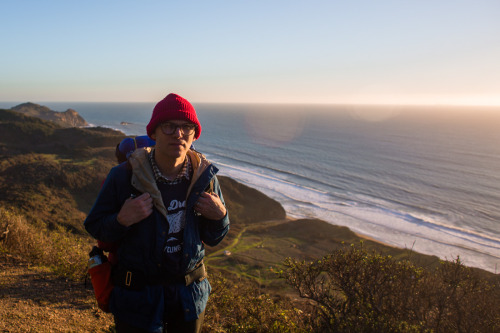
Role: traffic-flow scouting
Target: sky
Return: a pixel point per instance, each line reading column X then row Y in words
column 272, row 51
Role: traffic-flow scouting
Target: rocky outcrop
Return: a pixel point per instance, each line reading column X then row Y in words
column 68, row 118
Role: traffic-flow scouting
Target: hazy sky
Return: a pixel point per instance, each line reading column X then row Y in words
column 332, row 51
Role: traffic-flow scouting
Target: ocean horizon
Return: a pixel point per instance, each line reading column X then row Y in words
column 422, row 178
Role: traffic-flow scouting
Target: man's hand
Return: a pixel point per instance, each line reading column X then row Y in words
column 209, row 205
column 135, row 210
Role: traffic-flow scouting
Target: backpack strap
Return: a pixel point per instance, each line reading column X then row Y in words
column 210, row 187
column 134, row 192
column 135, row 144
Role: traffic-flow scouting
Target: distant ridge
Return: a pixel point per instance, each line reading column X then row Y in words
column 21, row 133
column 68, row 118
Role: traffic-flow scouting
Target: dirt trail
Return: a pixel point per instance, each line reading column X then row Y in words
column 34, row 300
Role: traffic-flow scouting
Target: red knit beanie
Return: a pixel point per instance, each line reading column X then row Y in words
column 173, row 107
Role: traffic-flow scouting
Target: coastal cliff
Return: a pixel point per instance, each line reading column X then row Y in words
column 68, row 118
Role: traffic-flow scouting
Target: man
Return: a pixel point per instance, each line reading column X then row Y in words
column 162, row 206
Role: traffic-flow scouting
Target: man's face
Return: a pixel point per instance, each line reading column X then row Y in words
column 174, row 138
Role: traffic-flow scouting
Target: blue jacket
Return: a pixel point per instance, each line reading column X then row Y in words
column 141, row 245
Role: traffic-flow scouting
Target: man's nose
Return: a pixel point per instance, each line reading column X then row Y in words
column 178, row 132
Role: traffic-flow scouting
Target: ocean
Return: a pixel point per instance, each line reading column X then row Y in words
column 422, row 178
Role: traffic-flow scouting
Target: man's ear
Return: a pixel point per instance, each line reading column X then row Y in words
column 153, row 136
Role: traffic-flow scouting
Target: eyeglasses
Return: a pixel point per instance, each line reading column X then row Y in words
column 170, row 128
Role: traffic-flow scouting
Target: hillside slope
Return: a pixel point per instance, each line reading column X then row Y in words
column 49, row 173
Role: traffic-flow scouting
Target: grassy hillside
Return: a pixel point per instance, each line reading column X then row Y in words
column 22, row 134
column 51, row 174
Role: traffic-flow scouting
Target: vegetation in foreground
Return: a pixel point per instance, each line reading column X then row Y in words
column 351, row 289
column 356, row 290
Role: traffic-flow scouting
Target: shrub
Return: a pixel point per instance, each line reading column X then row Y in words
column 241, row 307
column 354, row 290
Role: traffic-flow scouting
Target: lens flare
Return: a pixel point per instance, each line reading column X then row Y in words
column 274, row 128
